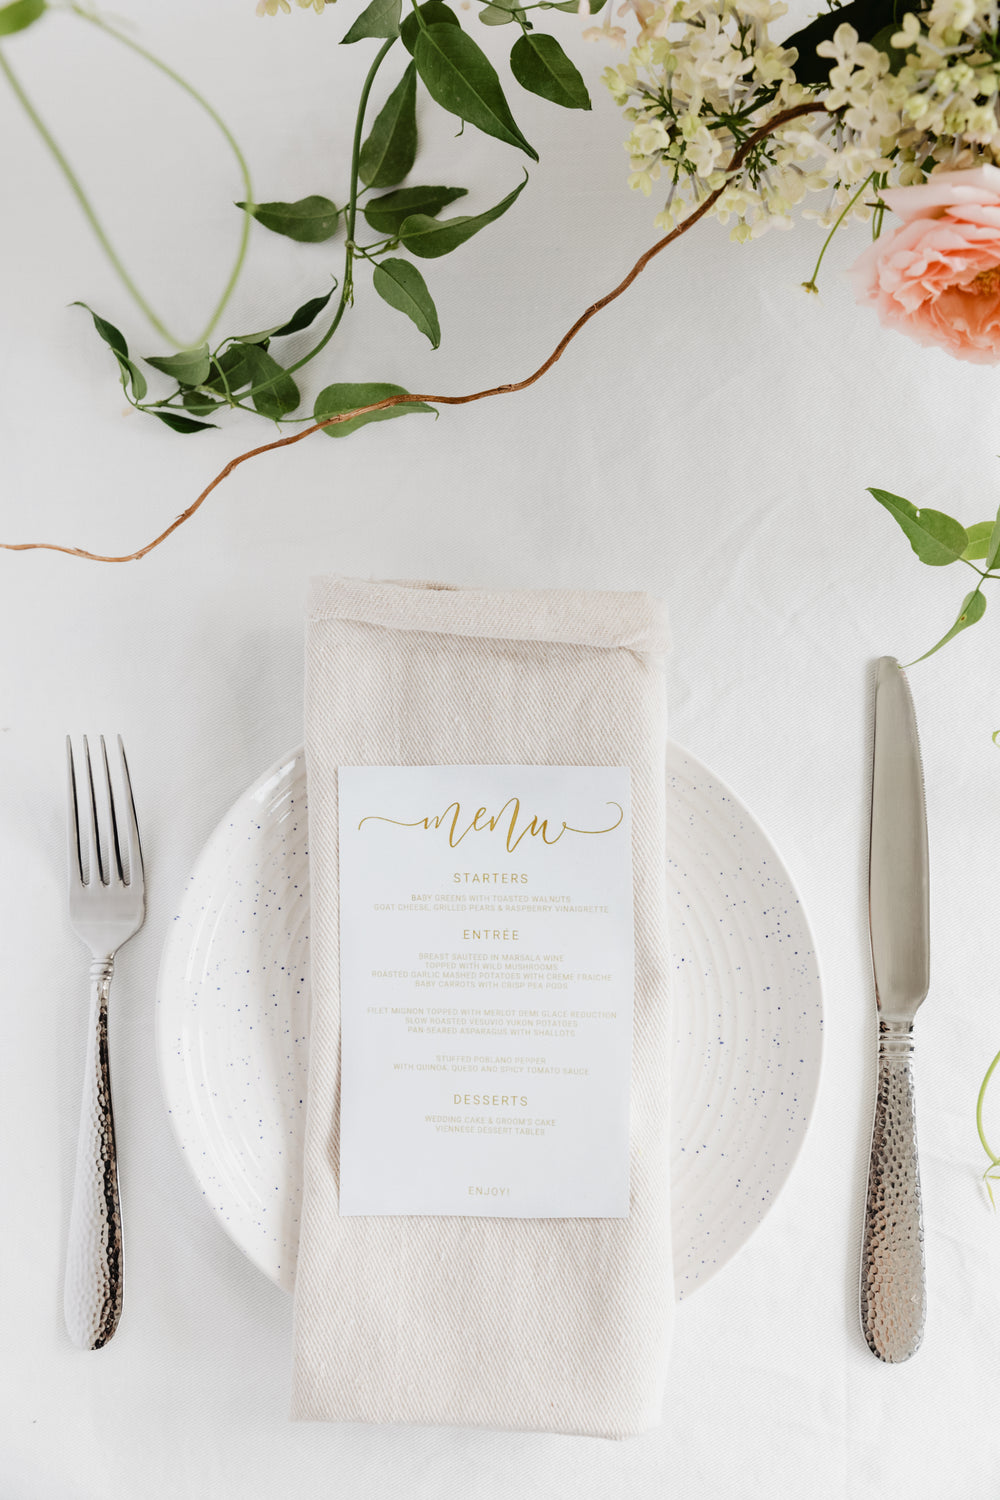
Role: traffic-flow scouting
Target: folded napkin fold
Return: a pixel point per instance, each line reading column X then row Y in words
column 558, row 1325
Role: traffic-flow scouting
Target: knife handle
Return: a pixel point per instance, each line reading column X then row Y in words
column 893, row 1296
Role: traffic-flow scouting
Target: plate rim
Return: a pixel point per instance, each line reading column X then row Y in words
column 809, row 1111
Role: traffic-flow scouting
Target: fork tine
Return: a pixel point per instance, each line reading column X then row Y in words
column 73, row 822
column 133, row 844
column 114, row 844
column 93, row 845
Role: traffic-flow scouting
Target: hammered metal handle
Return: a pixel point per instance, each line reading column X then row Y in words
column 92, row 1299
column 892, row 1259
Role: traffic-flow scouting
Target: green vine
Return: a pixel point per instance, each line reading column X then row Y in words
column 241, row 372
column 94, row 19
column 939, row 540
column 19, row 10
column 811, row 285
column 989, row 1176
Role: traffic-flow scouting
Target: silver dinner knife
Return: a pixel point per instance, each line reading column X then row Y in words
column 892, row 1259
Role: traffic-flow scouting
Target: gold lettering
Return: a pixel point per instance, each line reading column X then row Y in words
column 537, row 827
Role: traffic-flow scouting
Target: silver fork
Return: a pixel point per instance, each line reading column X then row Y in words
column 106, row 908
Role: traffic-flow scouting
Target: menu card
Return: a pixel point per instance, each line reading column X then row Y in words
column 487, row 959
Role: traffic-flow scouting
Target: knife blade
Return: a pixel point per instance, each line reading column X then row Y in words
column 893, row 1295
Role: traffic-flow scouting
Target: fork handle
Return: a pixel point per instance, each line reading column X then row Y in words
column 92, row 1299
column 892, row 1260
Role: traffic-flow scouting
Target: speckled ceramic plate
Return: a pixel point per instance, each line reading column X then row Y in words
column 233, row 1007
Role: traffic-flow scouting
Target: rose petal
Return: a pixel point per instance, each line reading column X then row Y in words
column 927, row 279
column 978, row 185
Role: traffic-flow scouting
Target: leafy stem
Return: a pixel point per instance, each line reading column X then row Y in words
column 352, row 202
column 350, row 249
column 810, row 285
column 939, row 540
column 880, row 180
column 460, row 78
column 783, row 118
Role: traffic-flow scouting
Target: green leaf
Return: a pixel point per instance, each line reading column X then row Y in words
column 541, row 66
column 272, row 391
column 391, row 148
column 199, row 404
column 993, row 550
column 299, row 320
column 264, row 337
column 305, row 315
column 979, row 540
column 434, row 13
column 401, row 285
column 429, row 238
column 868, row 17
column 937, row 539
column 191, row 367
column 573, row 7
column 339, row 398
column 973, row 609
column 130, row 373
column 386, row 215
column 501, row 13
column 249, row 364
column 234, row 366
column 178, row 423
column 381, row 18
column 460, row 77
column 309, row 220
column 114, row 339
column 20, row 14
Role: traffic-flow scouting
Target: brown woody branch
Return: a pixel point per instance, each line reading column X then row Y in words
column 736, row 161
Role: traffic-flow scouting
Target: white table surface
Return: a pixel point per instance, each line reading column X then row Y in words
column 709, row 438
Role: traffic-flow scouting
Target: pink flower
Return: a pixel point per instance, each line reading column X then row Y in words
column 937, row 278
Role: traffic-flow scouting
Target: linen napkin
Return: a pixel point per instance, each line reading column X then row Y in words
column 558, row 1325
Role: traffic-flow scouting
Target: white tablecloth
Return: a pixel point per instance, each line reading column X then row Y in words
column 709, row 438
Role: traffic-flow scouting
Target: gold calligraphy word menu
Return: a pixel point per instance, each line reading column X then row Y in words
column 486, row 990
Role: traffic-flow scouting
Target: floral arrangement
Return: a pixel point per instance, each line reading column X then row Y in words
column 861, row 114
column 869, row 115
column 851, row 117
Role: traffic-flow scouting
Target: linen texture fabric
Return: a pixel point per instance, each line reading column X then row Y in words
column 556, row 1325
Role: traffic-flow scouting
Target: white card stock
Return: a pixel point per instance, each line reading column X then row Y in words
column 487, row 960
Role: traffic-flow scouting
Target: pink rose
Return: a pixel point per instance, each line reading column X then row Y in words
column 937, row 278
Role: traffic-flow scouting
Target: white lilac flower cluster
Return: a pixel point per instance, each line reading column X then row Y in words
column 706, row 74
column 942, row 102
